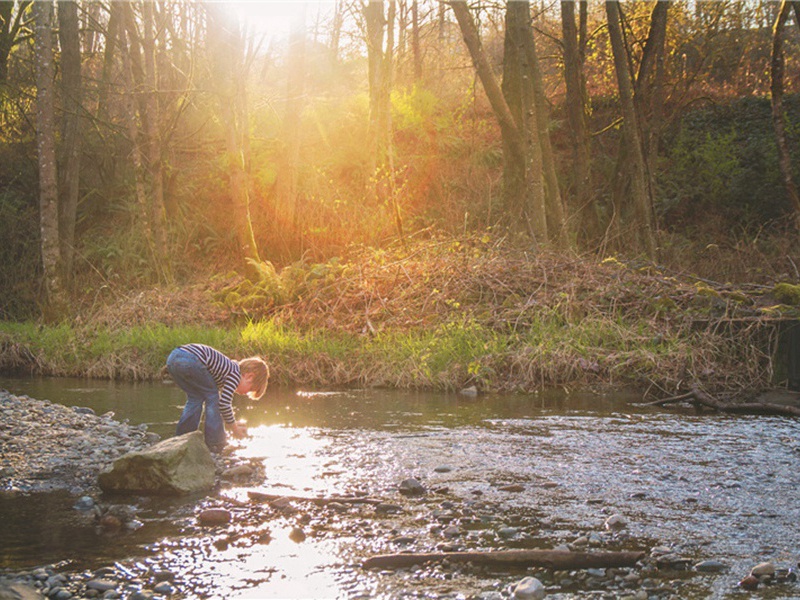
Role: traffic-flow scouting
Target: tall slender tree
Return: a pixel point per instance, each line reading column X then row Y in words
column 46, row 147
column 576, row 105
column 634, row 196
column 69, row 170
column 778, row 114
column 231, row 66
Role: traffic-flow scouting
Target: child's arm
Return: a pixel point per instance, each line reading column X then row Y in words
column 238, row 429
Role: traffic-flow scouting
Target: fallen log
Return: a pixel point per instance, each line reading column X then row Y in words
column 702, row 399
column 264, row 497
column 552, row 559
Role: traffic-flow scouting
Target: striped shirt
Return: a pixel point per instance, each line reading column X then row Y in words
column 225, row 372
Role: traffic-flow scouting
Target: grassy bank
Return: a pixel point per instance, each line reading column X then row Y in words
column 442, row 315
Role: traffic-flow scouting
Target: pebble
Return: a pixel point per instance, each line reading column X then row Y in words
column 214, row 516
column 411, row 487
column 710, row 566
column 765, row 569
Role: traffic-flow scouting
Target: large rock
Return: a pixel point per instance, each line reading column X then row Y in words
column 19, row 591
column 176, row 466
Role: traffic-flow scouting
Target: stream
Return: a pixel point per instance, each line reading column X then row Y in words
column 516, row 471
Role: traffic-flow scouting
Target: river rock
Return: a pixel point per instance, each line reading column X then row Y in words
column 765, row 569
column 529, row 588
column 710, row 566
column 19, row 591
column 176, row 466
column 411, row 487
column 616, row 522
column 214, row 516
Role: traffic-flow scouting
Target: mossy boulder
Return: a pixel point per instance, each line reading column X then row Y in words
column 786, row 293
column 177, row 466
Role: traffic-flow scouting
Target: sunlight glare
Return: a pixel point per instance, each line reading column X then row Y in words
column 272, row 19
column 294, row 458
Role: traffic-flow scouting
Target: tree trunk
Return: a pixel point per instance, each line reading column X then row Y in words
column 556, row 223
column 336, row 30
column 46, row 147
column 373, row 15
column 641, row 209
column 155, row 160
column 9, row 31
column 230, row 74
column 523, row 176
column 130, row 56
column 70, row 163
column 649, row 90
column 582, row 207
column 415, row 42
column 778, row 115
column 111, row 40
column 288, row 177
column 515, row 140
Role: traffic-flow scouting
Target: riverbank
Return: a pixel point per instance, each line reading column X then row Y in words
column 441, row 315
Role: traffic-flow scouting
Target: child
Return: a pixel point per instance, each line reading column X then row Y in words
column 210, row 378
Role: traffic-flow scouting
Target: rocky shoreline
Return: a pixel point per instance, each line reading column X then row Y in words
column 47, row 446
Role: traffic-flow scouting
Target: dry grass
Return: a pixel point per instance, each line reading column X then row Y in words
column 447, row 313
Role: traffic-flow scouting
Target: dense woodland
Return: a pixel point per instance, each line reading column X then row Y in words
column 154, row 143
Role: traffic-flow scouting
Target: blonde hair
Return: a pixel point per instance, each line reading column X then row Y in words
column 260, row 371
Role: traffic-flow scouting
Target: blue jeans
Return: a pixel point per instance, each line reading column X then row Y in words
column 201, row 390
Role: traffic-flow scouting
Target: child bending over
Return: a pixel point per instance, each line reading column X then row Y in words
column 210, row 379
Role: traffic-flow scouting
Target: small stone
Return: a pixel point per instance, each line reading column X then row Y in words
column 710, row 566
column 508, row 533
column 616, row 522
column 443, row 469
column 165, row 588
column 749, row 583
column 529, row 588
column 451, row 532
column 101, row 585
column 411, row 487
column 386, row 508
column 765, row 569
column 238, row 472
column 84, row 503
column 512, row 488
column 214, row 516
column 297, row 535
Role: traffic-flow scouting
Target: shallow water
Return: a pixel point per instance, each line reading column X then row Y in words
column 710, row 486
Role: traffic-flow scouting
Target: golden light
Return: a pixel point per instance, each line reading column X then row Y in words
column 273, row 19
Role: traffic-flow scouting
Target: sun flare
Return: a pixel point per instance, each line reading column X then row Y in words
column 272, row 19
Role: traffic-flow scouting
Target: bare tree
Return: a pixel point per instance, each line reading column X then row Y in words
column 69, row 170
column 46, row 146
column 13, row 24
column 636, row 196
column 573, row 39
column 231, row 66
column 778, row 114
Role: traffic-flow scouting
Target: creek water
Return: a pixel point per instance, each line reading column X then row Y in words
column 712, row 487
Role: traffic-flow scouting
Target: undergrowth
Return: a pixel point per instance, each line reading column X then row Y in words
column 442, row 314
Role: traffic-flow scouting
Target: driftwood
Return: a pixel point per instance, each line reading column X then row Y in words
column 700, row 398
column 552, row 559
column 264, row 497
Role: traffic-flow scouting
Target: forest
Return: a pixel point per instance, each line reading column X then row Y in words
column 155, row 152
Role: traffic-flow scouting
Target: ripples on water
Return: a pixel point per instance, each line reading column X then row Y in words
column 718, row 487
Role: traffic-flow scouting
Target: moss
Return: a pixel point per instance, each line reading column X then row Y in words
column 786, row 293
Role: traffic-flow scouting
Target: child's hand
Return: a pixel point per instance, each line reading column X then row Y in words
column 239, row 429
